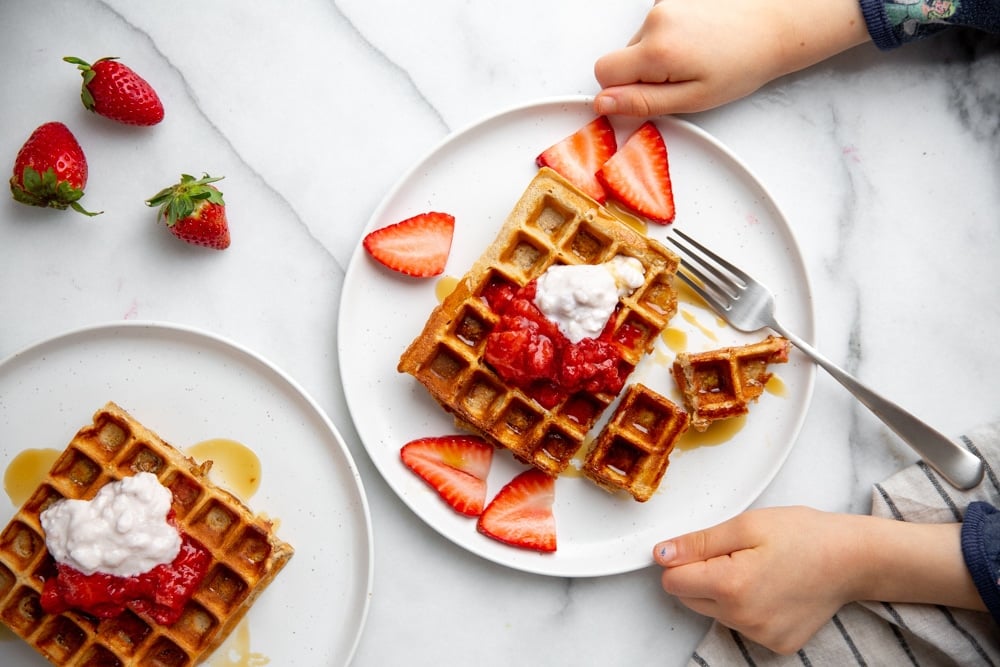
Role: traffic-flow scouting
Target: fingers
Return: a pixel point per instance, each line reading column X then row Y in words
column 625, row 66
column 647, row 99
column 726, row 538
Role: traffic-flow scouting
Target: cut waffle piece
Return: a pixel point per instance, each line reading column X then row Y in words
column 552, row 223
column 245, row 554
column 633, row 449
column 719, row 384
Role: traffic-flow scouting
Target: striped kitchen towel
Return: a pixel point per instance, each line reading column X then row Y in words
column 879, row 633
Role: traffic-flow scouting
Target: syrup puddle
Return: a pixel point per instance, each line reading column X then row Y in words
column 445, row 286
column 717, row 433
column 26, row 471
column 235, row 651
column 234, row 465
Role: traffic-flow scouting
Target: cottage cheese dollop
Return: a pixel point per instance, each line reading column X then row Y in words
column 122, row 531
column 580, row 298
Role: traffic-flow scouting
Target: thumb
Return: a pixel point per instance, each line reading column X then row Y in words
column 651, row 99
column 700, row 545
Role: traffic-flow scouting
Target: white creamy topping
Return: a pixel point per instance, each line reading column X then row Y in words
column 580, row 298
column 122, row 531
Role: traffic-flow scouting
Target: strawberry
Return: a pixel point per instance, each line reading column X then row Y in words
column 115, row 91
column 578, row 157
column 417, row 246
column 50, row 170
column 455, row 466
column 194, row 211
column 638, row 175
column 521, row 513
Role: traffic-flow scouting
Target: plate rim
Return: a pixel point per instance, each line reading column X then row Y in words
column 806, row 330
column 192, row 332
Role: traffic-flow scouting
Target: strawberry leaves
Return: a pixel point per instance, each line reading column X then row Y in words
column 183, row 199
column 50, row 170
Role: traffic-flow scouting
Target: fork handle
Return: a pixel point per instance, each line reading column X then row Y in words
column 956, row 464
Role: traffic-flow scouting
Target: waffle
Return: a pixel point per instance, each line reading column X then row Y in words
column 633, row 450
column 552, row 223
column 245, row 554
column 719, row 384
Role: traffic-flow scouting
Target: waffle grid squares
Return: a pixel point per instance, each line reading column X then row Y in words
column 552, row 223
column 719, row 384
column 245, row 555
column 632, row 451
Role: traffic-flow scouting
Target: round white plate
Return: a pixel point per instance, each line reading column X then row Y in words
column 477, row 175
column 189, row 386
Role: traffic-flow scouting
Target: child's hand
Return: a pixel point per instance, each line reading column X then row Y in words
column 777, row 575
column 690, row 56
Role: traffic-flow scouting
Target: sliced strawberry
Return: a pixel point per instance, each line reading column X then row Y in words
column 638, row 175
column 455, row 466
column 521, row 513
column 578, row 157
column 417, row 246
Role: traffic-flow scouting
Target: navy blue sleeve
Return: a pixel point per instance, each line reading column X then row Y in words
column 981, row 549
column 892, row 23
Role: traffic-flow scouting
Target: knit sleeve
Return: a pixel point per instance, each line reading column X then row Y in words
column 981, row 550
column 892, row 23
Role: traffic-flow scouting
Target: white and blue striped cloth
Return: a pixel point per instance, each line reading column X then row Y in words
column 879, row 633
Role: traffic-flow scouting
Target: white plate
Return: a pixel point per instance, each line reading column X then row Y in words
column 188, row 387
column 477, row 175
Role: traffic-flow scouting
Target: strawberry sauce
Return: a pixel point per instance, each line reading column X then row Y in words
column 528, row 351
column 160, row 593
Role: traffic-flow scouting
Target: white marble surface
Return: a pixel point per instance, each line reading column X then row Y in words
column 885, row 164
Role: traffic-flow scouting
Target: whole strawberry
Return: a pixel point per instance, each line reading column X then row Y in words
column 50, row 170
column 194, row 211
column 115, row 91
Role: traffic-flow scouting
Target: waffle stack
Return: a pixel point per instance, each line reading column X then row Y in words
column 719, row 384
column 552, row 223
column 245, row 554
column 632, row 452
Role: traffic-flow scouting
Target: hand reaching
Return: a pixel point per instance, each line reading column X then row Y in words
column 691, row 56
column 777, row 575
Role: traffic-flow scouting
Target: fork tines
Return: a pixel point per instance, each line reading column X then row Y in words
column 713, row 278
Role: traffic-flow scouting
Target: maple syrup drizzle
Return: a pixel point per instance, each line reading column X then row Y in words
column 776, row 386
column 675, row 339
column 235, row 651
column 26, row 471
column 445, row 286
column 633, row 221
column 717, row 433
column 235, row 467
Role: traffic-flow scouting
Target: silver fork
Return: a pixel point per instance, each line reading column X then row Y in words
column 749, row 306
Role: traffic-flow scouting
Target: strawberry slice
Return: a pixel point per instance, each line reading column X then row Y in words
column 521, row 513
column 578, row 157
column 455, row 466
column 417, row 246
column 638, row 175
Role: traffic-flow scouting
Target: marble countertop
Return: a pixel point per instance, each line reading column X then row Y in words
column 886, row 166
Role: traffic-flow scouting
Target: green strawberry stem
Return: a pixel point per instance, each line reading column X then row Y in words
column 47, row 190
column 88, row 75
column 181, row 200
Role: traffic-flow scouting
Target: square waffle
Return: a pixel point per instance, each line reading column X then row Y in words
column 719, row 384
column 552, row 223
column 245, row 554
column 633, row 450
